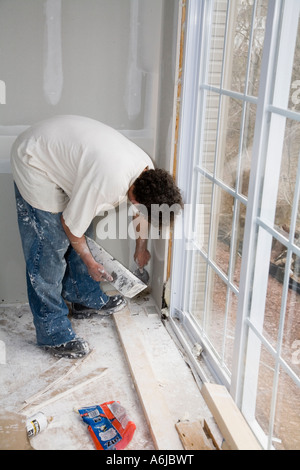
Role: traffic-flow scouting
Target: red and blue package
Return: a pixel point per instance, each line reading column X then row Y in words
column 108, row 425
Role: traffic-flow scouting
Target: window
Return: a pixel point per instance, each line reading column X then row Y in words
column 237, row 293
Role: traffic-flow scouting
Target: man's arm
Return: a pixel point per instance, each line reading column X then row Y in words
column 96, row 270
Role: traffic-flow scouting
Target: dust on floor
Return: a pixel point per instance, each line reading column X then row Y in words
column 27, row 370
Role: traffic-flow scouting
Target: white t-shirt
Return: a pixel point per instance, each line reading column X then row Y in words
column 77, row 166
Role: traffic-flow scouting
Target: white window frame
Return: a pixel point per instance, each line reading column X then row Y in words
column 272, row 112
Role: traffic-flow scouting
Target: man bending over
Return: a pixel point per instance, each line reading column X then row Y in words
column 67, row 170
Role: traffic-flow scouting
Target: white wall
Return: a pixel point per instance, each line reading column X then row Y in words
column 98, row 58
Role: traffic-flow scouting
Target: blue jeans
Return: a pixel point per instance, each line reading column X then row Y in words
column 55, row 274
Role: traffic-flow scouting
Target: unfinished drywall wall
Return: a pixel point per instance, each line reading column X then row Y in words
column 98, row 58
column 12, row 272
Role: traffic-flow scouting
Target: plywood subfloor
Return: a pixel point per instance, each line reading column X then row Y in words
column 28, row 370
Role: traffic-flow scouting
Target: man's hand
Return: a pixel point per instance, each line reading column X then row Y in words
column 142, row 257
column 98, row 273
column 95, row 270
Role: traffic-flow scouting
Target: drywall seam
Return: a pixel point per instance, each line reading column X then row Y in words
column 53, row 69
column 2, row 92
column 133, row 95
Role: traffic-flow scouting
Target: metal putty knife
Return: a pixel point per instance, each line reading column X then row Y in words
column 123, row 280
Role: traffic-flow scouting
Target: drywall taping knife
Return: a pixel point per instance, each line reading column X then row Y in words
column 123, row 280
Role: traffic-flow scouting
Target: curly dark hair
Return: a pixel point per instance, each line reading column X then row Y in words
column 158, row 196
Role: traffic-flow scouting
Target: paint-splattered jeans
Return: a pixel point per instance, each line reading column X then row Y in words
column 55, row 273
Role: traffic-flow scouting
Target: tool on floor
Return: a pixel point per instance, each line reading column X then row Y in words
column 124, row 281
column 108, row 425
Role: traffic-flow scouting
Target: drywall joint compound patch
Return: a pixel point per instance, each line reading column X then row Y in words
column 53, row 69
column 2, row 353
column 2, row 92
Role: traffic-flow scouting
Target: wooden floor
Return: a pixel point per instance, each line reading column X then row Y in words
column 133, row 361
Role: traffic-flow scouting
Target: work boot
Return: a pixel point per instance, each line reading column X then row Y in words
column 114, row 304
column 74, row 349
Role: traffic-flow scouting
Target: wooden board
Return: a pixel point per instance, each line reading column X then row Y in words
column 160, row 422
column 192, row 436
column 211, row 429
column 232, row 424
column 13, row 435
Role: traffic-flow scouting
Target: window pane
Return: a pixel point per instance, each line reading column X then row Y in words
column 198, row 287
column 264, row 390
column 230, row 330
column 215, row 311
column 259, row 28
column 221, row 232
column 288, row 176
column 274, row 293
column 239, row 239
column 286, row 432
column 217, row 43
column 247, row 146
column 229, row 140
column 227, row 234
column 274, row 299
column 244, row 45
column 235, row 143
column 204, row 201
column 238, row 42
column 291, row 334
column 287, row 417
column 297, row 232
column 294, row 103
column 210, row 132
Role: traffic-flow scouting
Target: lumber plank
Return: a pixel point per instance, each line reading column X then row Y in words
column 232, row 424
column 160, row 422
column 211, row 429
column 192, row 436
column 13, row 435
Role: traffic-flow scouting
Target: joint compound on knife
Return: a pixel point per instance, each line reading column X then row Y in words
column 122, row 279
